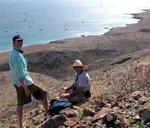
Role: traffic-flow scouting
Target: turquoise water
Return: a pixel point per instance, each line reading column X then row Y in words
column 43, row 21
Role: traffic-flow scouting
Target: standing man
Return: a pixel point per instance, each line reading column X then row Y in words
column 23, row 83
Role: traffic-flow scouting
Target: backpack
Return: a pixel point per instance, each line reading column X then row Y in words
column 57, row 105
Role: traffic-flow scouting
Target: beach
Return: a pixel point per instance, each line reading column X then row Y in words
column 49, row 63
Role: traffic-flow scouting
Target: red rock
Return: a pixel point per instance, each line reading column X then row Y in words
column 70, row 122
column 103, row 112
column 68, row 112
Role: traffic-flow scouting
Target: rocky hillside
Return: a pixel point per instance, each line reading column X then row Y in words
column 118, row 103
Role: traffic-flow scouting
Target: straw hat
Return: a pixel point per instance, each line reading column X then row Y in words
column 78, row 63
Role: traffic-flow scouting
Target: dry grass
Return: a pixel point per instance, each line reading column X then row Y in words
column 123, row 80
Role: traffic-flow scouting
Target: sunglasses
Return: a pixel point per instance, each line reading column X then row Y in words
column 76, row 67
column 20, row 40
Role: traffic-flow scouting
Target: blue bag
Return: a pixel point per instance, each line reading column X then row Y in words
column 57, row 105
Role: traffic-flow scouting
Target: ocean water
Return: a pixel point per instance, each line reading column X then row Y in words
column 41, row 21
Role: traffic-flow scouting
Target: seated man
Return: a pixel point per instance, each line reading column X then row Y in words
column 80, row 90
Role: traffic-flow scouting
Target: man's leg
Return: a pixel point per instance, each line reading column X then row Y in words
column 21, row 100
column 19, row 114
column 39, row 94
column 45, row 103
column 77, row 99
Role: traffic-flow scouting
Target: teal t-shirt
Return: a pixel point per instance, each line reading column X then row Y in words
column 18, row 66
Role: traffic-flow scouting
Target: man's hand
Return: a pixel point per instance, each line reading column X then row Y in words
column 65, row 95
column 68, row 89
column 27, row 91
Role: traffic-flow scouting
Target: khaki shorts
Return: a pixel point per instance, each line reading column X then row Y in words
column 36, row 92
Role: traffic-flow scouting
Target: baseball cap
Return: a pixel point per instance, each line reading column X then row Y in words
column 17, row 37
